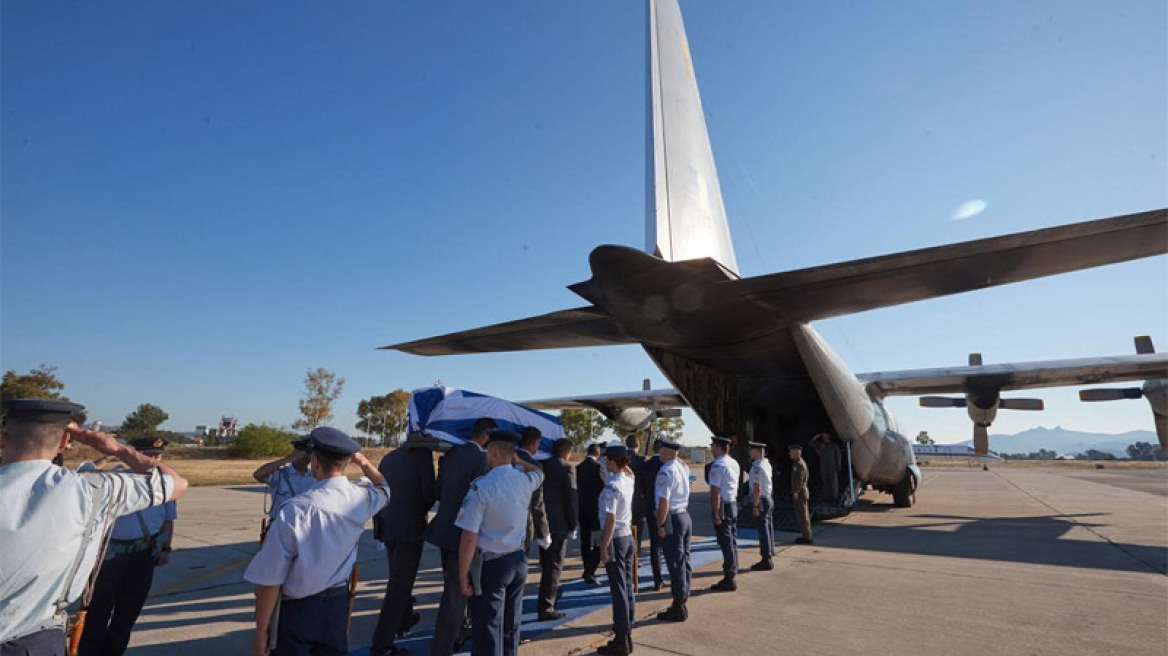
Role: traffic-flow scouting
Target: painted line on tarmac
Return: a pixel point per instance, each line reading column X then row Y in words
column 579, row 599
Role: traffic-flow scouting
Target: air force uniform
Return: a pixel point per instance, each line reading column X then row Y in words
column 617, row 500
column 725, row 475
column 762, row 477
column 310, row 550
column 673, row 488
column 50, row 524
column 496, row 508
column 285, row 483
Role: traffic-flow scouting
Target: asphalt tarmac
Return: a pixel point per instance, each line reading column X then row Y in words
column 1006, row 561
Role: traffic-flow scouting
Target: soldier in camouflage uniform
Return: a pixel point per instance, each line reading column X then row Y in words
column 799, row 492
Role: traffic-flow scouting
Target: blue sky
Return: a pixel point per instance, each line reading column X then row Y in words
column 203, row 200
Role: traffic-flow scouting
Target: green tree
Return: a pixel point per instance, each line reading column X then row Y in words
column 261, row 441
column 1146, row 451
column 1094, row 454
column 321, row 388
column 583, row 426
column 39, row 383
column 385, row 416
column 670, row 428
column 143, row 421
column 923, row 438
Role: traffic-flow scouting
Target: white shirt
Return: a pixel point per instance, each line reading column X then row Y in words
column 129, row 528
column 312, row 543
column 616, row 499
column 496, row 508
column 673, row 485
column 43, row 517
column 725, row 474
column 285, row 483
column 761, row 475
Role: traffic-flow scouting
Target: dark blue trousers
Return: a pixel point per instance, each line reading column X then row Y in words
column 765, row 522
column 118, row 597
column 314, row 626
column 496, row 611
column 676, row 548
column 622, row 584
column 50, row 642
column 727, row 534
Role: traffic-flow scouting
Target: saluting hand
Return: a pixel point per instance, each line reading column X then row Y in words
column 104, row 443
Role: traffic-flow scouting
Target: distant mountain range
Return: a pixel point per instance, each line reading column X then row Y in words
column 1062, row 440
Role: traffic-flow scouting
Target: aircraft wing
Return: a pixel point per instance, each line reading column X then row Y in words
column 587, row 326
column 876, row 282
column 1018, row 375
column 611, row 404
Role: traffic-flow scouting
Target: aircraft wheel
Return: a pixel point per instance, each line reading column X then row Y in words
column 902, row 494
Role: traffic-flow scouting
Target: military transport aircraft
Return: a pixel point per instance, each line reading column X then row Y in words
column 741, row 352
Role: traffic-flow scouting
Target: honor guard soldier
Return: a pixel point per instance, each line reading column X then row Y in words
column 492, row 563
column 616, row 547
column 285, row 478
column 674, row 527
column 456, row 471
column 302, row 570
column 53, row 521
column 138, row 543
column 762, row 503
column 799, row 492
column 725, row 475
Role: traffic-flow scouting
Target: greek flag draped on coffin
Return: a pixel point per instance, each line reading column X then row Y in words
column 448, row 414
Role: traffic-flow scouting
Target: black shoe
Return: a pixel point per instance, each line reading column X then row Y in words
column 764, row 565
column 591, row 580
column 552, row 616
column 392, row 650
column 675, row 613
column 725, row 585
column 803, row 540
column 618, row 646
column 404, row 630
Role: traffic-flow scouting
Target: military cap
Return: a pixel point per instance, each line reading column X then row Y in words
column 656, row 443
column 722, row 441
column 668, row 443
column 794, row 446
column 331, row 441
column 302, row 444
column 511, row 437
column 757, row 445
column 616, row 448
column 151, row 446
column 45, row 411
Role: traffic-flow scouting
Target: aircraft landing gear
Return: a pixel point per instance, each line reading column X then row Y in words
column 902, row 493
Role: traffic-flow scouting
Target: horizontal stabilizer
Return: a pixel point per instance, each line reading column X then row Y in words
column 877, row 282
column 564, row 329
column 1017, row 375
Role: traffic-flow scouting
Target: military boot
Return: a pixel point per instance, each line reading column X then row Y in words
column 675, row 613
column 618, row 646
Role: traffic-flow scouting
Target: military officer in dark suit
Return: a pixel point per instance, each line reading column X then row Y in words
column 409, row 470
column 559, row 498
column 537, row 523
column 589, row 484
column 646, row 482
column 458, row 468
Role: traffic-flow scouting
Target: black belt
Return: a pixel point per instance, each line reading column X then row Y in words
column 335, row 591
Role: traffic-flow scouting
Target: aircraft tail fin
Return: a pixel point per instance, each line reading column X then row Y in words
column 686, row 218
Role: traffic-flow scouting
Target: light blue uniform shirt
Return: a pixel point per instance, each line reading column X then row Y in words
column 673, row 485
column 725, row 474
column 496, row 508
column 312, row 543
column 761, row 475
column 285, row 483
column 617, row 499
column 44, row 513
column 128, row 527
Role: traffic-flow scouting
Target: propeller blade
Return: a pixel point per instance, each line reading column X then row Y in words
column 1144, row 345
column 1021, row 404
column 1110, row 394
column 942, row 402
column 975, row 359
column 981, row 440
column 1162, row 430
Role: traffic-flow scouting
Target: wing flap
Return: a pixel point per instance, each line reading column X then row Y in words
column 1018, row 375
column 586, row 326
column 867, row 284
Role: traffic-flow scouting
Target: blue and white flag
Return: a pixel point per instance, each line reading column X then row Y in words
column 448, row 414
